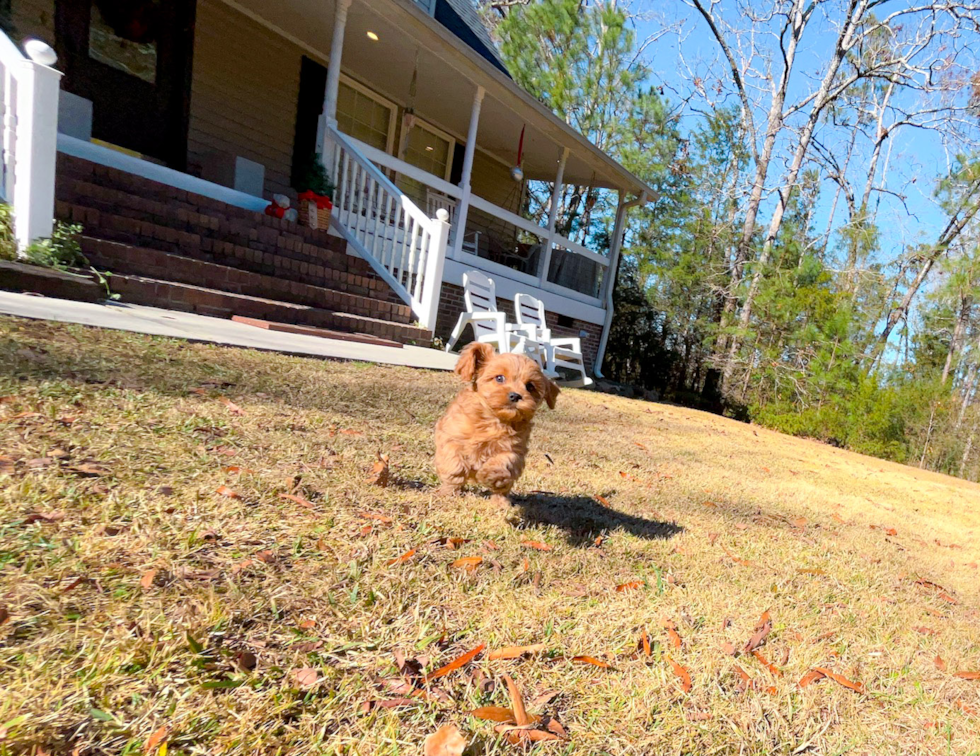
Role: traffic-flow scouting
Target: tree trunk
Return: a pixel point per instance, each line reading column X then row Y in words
column 956, row 343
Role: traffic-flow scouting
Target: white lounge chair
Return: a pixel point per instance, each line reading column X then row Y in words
column 490, row 326
column 564, row 352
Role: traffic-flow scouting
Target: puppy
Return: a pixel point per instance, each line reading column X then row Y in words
column 483, row 437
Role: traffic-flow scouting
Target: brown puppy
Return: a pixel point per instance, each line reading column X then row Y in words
column 483, row 436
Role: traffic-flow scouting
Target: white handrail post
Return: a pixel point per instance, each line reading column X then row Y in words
column 553, row 218
column 462, row 209
column 36, row 150
column 435, row 262
column 333, row 83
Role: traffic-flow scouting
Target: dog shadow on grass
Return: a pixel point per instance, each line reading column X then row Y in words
column 584, row 518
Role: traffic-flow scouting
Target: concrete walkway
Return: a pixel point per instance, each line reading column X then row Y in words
column 184, row 325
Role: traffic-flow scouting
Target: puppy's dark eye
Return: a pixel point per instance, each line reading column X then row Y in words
column 529, row 386
column 500, row 379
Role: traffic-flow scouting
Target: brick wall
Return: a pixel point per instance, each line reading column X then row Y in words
column 451, row 305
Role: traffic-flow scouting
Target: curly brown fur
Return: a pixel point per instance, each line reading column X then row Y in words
column 483, row 437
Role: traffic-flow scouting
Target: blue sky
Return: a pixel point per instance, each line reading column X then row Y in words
column 916, row 157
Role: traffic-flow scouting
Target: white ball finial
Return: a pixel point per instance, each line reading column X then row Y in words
column 40, row 52
column 442, row 214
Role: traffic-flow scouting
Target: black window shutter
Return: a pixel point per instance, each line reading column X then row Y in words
column 312, row 83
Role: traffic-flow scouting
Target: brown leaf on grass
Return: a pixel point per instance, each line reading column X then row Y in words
column 515, row 652
column 43, row 517
column 966, row 709
column 384, row 519
column 800, row 522
column 380, row 474
column 455, row 664
column 453, row 543
column 940, row 663
column 390, row 703
column 642, row 446
column 490, row 545
column 784, row 660
column 923, row 630
column 401, row 559
column 6, row 465
column 517, row 702
column 603, row 500
column 146, row 582
column 728, row 648
column 682, row 674
column 767, row 664
column 494, row 714
column 156, row 739
column 712, row 537
column 4, row 615
column 710, row 504
column 298, row 499
column 818, row 673
column 235, row 469
column 644, row 644
column 225, row 491
column 467, row 563
column 446, row 741
column 349, row 432
column 963, row 675
column 762, row 631
column 891, row 531
column 741, row 526
column 88, row 469
column 947, row 598
column 536, row 545
column 671, row 627
column 307, row 624
column 232, row 407
column 306, row 677
column 744, row 681
column 591, row 660
column 631, row 585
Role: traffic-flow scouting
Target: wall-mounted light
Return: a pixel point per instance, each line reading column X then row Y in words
column 372, row 36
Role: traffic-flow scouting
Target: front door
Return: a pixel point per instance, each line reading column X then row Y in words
column 132, row 59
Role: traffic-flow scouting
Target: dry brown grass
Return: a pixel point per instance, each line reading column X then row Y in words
column 702, row 512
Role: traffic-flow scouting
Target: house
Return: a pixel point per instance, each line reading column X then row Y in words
column 179, row 120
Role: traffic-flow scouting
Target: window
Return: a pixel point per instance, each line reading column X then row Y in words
column 429, row 6
column 124, row 35
column 365, row 116
column 429, row 150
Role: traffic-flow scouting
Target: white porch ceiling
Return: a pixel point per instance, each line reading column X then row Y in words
column 448, row 74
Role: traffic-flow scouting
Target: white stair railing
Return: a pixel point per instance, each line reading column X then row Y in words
column 29, row 123
column 405, row 246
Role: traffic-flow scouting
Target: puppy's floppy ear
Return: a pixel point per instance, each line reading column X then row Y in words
column 472, row 359
column 551, row 392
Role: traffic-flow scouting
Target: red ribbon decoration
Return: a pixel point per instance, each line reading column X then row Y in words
column 520, row 147
column 321, row 202
column 275, row 211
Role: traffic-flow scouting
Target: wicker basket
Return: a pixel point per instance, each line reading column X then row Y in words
column 314, row 217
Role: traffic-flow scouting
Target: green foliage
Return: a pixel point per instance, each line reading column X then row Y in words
column 312, row 176
column 8, row 243
column 63, row 250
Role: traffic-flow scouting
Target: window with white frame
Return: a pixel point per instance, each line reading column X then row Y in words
column 365, row 116
column 430, row 149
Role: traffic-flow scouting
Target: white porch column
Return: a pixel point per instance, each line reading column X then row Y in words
column 545, row 264
column 36, row 149
column 329, row 118
column 464, row 183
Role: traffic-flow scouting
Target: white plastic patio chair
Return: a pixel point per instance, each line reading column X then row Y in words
column 564, row 352
column 490, row 325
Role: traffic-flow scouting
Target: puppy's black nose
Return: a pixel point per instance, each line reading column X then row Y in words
column 514, row 396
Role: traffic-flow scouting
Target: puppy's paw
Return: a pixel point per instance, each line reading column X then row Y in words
column 449, row 490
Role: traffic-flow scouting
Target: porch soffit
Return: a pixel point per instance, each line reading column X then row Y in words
column 448, row 74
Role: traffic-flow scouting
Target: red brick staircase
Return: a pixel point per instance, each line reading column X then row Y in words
column 169, row 248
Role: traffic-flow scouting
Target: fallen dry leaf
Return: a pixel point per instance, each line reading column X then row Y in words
column 232, row 407
column 683, row 674
column 446, row 741
column 156, row 739
column 455, row 664
column 940, row 664
column 767, row 664
column 380, row 473
column 644, row 644
column 762, row 630
column 43, row 517
column 401, row 559
column 591, row 660
column 818, row 673
column 536, row 545
column 298, row 499
column 603, row 500
column 494, row 714
column 515, row 652
column 967, row 675
column 631, row 585
column 146, row 582
column 225, row 491
column 467, row 563
column 384, row 519
column 671, row 627
column 306, row 677
column 728, row 648
column 744, row 681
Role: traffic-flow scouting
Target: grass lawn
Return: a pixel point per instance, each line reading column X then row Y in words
column 159, row 592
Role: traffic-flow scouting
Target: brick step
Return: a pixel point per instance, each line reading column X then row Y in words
column 128, row 260
column 189, row 298
column 303, row 267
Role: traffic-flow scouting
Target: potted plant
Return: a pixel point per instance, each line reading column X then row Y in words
column 315, row 193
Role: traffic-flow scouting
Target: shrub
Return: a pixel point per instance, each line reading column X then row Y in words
column 63, row 250
column 8, row 244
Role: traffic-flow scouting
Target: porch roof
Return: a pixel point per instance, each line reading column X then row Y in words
column 448, row 72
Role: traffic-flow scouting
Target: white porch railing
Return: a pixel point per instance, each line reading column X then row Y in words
column 29, row 118
column 403, row 245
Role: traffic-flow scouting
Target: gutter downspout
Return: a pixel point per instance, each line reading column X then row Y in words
column 613, row 269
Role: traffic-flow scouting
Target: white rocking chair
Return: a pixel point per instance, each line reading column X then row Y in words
column 490, row 325
column 564, row 352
